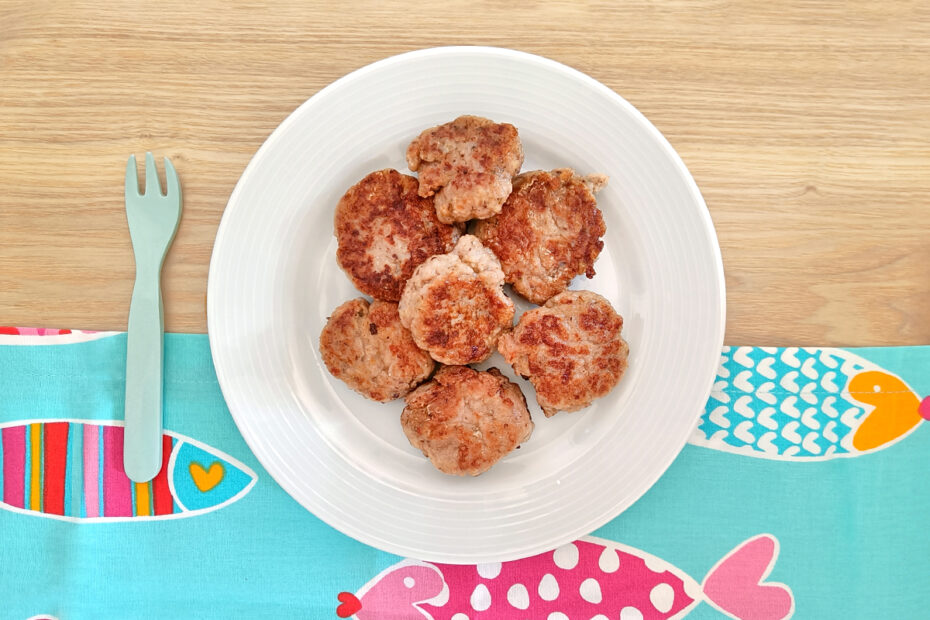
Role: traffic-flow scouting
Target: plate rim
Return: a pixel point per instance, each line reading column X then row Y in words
column 694, row 193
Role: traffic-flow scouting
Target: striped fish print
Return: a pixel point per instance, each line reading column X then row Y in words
column 73, row 470
column 48, row 336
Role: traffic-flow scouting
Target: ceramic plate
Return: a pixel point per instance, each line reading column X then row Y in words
column 274, row 281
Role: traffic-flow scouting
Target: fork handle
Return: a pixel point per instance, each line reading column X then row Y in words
column 142, row 449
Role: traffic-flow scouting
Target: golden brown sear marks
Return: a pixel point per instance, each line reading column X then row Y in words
column 454, row 304
column 468, row 164
column 570, row 350
column 385, row 230
column 464, row 420
column 548, row 231
column 367, row 347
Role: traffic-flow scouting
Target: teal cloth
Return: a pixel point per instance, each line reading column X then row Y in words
column 854, row 541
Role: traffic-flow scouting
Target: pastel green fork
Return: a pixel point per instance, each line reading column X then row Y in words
column 153, row 221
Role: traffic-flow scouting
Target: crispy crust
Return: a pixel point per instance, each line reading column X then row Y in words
column 468, row 164
column 548, row 231
column 385, row 231
column 464, row 420
column 454, row 305
column 570, row 349
column 368, row 348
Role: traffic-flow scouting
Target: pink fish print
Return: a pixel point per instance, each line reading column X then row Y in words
column 590, row 579
column 34, row 331
column 44, row 335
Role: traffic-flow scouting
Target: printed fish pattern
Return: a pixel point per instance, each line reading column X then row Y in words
column 805, row 404
column 73, row 470
column 590, row 578
column 36, row 331
column 46, row 336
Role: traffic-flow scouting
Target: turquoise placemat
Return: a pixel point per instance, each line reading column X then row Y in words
column 809, row 472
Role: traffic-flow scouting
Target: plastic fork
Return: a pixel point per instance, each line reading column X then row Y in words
column 153, row 221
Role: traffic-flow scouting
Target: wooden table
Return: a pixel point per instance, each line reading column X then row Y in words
column 806, row 126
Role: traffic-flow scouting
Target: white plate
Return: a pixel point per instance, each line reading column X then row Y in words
column 274, row 280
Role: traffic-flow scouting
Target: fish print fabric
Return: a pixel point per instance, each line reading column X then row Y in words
column 805, row 404
column 589, row 578
column 823, row 518
column 74, row 470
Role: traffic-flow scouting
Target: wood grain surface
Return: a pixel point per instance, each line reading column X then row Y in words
column 805, row 124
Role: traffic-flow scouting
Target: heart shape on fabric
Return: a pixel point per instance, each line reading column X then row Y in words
column 737, row 584
column 206, row 479
column 349, row 604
